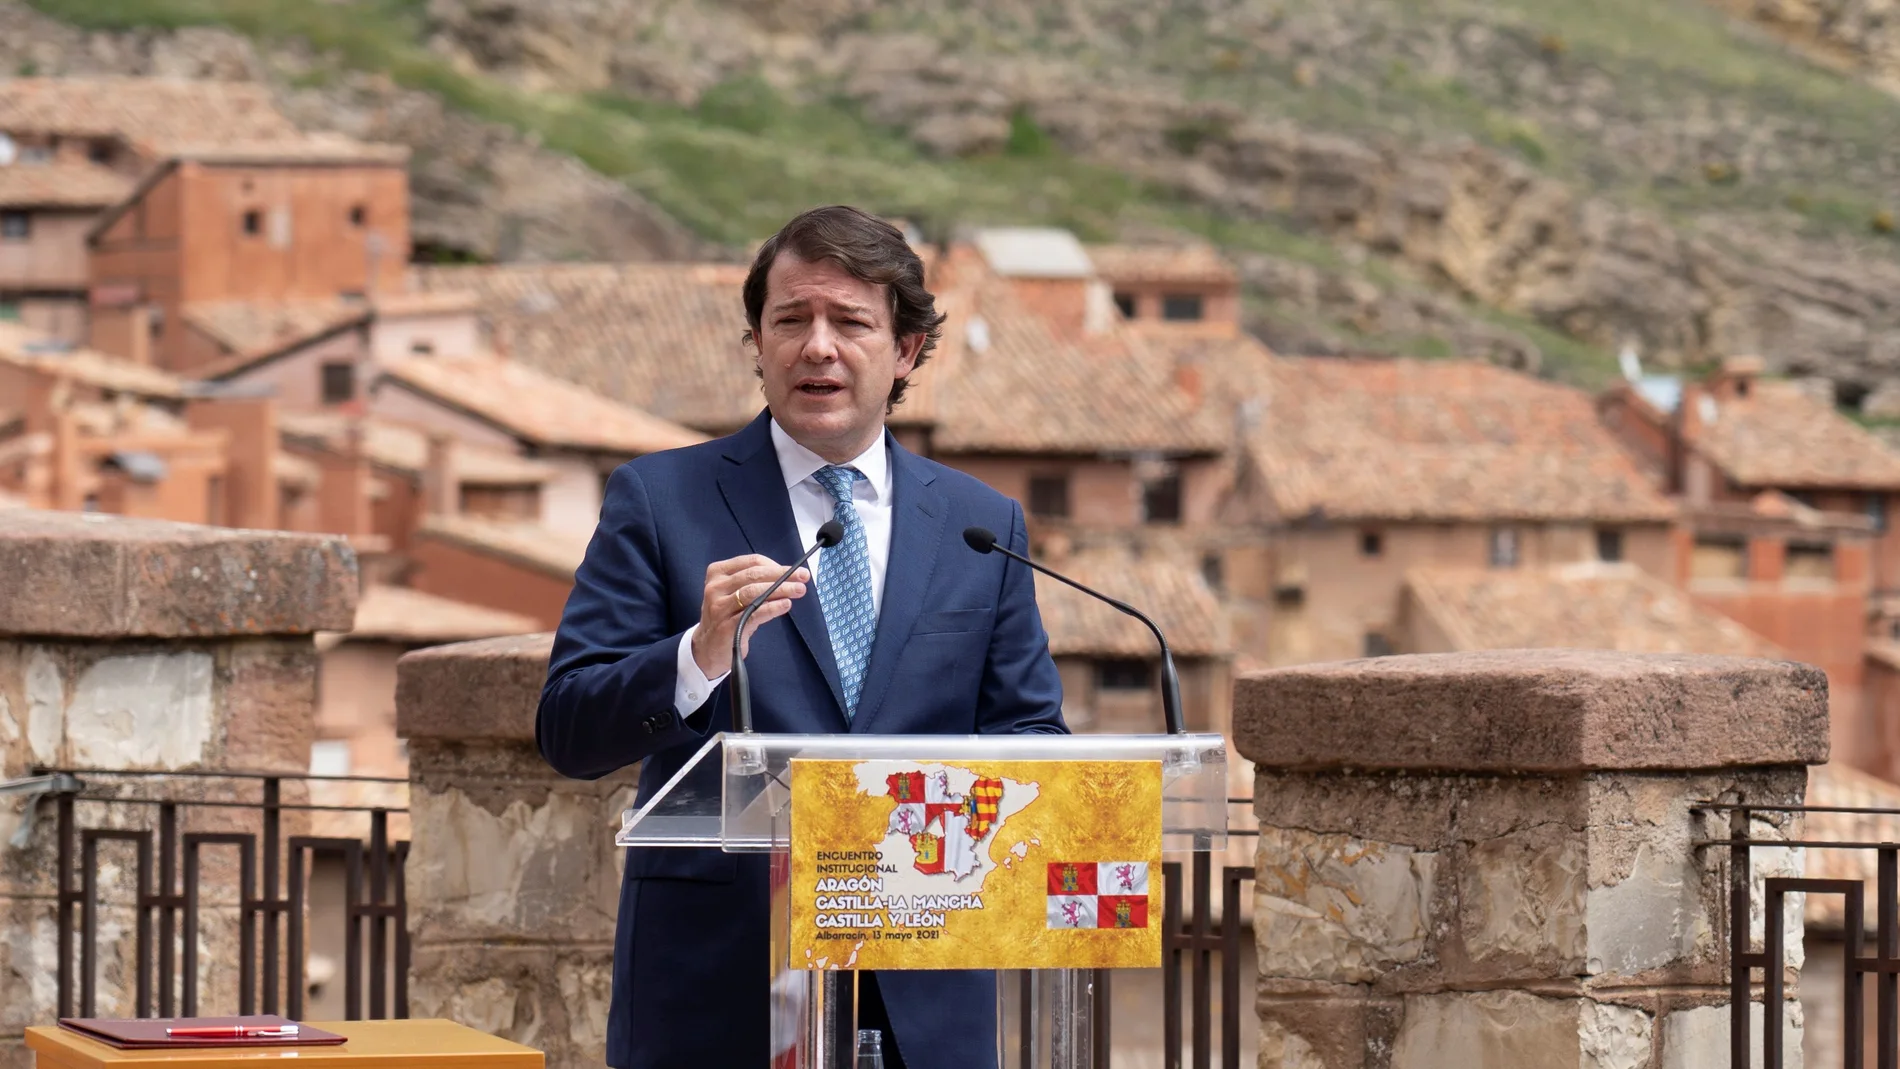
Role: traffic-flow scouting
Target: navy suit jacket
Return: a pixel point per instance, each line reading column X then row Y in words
column 960, row 650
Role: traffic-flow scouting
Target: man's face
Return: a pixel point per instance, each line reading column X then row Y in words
column 828, row 355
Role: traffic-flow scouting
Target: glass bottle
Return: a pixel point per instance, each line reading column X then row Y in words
column 870, row 1049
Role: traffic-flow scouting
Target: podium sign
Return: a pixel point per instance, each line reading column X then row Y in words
column 902, row 864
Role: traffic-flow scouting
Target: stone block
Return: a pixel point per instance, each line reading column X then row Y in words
column 488, row 689
column 1533, row 711
column 1488, row 1030
column 269, row 691
column 509, row 849
column 1697, row 1038
column 1301, row 1030
column 552, row 998
column 1335, row 908
column 1521, row 903
column 89, row 575
column 141, row 710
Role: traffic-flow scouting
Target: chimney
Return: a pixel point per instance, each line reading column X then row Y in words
column 1738, row 376
column 67, row 493
column 1187, row 379
column 439, row 486
column 250, row 425
column 344, row 492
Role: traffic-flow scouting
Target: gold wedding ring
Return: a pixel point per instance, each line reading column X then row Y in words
column 740, row 600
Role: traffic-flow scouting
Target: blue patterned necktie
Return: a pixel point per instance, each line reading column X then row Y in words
column 844, row 587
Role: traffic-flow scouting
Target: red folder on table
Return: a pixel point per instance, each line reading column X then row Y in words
column 148, row 1033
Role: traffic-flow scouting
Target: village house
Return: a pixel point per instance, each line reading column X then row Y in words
column 72, row 147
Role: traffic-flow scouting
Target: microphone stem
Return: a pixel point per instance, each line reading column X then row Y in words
column 1170, row 679
column 741, row 683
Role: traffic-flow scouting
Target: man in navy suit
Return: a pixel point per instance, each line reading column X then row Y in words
column 898, row 629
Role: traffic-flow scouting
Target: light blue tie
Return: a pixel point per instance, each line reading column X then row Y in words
column 844, row 587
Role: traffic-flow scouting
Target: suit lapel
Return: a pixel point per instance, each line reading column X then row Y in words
column 754, row 489
column 918, row 513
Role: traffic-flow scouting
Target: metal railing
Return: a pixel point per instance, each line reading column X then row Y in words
column 93, row 807
column 1743, row 960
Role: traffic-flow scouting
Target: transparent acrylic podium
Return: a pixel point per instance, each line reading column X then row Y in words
column 735, row 794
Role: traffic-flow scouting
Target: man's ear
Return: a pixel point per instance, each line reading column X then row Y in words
column 908, row 347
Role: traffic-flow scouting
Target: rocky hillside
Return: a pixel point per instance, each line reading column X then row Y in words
column 1535, row 181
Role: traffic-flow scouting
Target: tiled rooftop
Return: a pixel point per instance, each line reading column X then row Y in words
column 252, row 329
column 26, row 348
column 1779, row 436
column 406, row 449
column 61, row 184
column 1580, row 606
column 1196, row 265
column 398, row 614
column 544, row 549
column 537, row 407
column 1436, row 440
column 662, row 337
column 1835, row 784
column 156, row 115
column 1160, row 585
column 1015, row 386
column 309, row 150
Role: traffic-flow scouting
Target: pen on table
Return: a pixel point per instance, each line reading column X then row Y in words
column 233, row 1031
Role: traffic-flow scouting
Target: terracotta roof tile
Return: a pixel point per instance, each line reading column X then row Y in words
column 398, row 614
column 61, row 184
column 406, row 448
column 257, row 328
column 308, row 150
column 29, row 349
column 1437, row 440
column 156, row 115
column 1196, row 265
column 1586, row 606
column 544, row 549
column 1160, row 585
column 536, row 406
column 1835, row 784
column 663, row 337
column 1009, row 384
column 1779, row 436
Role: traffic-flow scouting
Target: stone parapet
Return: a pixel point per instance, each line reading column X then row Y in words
column 1486, row 859
column 146, row 646
column 513, row 878
column 88, row 575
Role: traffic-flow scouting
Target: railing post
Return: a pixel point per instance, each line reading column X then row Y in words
column 1739, row 953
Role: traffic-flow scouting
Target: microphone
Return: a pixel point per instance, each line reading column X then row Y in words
column 984, row 541
column 828, row 535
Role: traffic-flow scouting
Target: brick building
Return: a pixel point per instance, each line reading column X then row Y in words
column 1353, row 473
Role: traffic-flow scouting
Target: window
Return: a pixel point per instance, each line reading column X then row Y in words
column 1125, row 673
column 1718, row 556
column 1504, row 547
column 1125, row 304
column 1876, row 506
column 339, row 382
column 253, row 222
column 1212, row 571
column 36, row 154
column 359, row 215
column 1289, row 597
column 1049, row 496
column 1181, row 307
column 1161, row 499
column 1371, row 543
column 214, row 501
column 330, row 757
column 422, row 347
column 1609, row 544
column 9, row 312
column 99, row 152
column 1377, row 645
column 15, row 226
column 1810, row 560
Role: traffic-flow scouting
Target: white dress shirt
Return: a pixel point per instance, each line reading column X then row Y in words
column 811, row 508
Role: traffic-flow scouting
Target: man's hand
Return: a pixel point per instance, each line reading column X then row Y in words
column 731, row 585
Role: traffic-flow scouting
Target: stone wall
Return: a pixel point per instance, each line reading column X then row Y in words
column 513, row 877
column 1484, row 860
column 131, row 644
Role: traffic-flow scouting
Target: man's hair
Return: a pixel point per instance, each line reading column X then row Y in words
column 870, row 250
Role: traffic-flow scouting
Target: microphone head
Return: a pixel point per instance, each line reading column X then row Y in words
column 980, row 539
column 830, row 534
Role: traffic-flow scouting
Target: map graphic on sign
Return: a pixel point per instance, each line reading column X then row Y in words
column 981, row 864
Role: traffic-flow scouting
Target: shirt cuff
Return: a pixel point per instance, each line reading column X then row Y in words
column 691, row 688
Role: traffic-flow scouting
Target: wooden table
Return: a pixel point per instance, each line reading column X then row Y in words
column 420, row 1044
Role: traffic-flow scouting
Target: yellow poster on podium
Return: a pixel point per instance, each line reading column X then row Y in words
column 975, row 864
